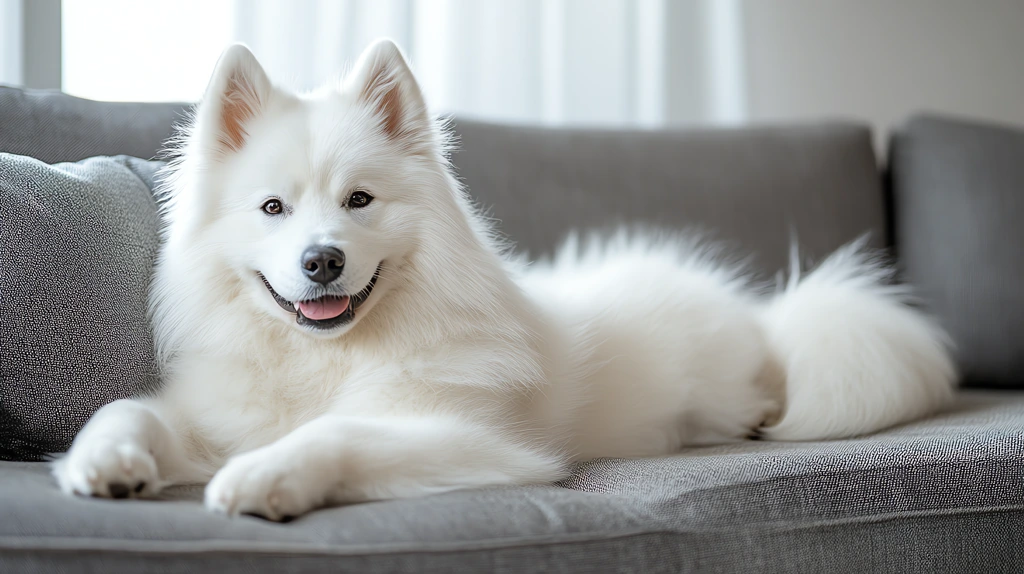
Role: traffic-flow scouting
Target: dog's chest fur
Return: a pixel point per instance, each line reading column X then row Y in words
column 235, row 404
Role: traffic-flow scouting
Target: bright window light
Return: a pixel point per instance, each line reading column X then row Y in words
column 157, row 50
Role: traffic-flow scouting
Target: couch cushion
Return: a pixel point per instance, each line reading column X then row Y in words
column 958, row 195
column 77, row 244
column 942, row 494
column 54, row 127
column 753, row 187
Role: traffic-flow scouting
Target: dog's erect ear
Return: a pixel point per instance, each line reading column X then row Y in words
column 237, row 93
column 382, row 79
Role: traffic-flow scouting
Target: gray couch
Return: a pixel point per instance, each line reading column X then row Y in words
column 943, row 494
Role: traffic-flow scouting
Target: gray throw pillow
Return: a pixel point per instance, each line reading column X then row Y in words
column 958, row 199
column 77, row 245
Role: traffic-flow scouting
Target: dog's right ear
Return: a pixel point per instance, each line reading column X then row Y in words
column 237, row 94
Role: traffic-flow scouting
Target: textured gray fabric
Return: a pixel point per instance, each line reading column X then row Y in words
column 77, row 243
column 751, row 187
column 938, row 495
column 958, row 198
column 54, row 127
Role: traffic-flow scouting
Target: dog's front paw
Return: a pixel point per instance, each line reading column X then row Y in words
column 108, row 468
column 263, row 484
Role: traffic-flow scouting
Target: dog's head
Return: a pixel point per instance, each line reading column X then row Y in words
column 311, row 201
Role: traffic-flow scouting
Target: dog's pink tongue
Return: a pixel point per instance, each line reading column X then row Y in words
column 324, row 308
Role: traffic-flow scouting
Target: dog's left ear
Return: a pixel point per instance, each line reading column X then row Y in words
column 383, row 80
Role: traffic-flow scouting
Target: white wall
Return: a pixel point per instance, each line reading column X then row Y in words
column 880, row 60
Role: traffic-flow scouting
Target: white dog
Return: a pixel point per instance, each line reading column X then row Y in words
column 335, row 323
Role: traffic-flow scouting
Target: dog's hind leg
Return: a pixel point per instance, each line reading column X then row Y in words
column 337, row 459
column 125, row 450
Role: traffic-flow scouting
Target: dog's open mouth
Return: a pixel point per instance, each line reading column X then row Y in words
column 324, row 312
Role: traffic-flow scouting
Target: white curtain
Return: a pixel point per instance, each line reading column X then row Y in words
column 593, row 62
column 11, row 42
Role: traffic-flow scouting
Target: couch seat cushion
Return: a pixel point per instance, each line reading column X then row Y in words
column 941, row 494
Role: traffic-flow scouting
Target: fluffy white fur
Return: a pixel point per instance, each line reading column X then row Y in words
column 461, row 369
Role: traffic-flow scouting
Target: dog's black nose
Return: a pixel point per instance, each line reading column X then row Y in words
column 323, row 264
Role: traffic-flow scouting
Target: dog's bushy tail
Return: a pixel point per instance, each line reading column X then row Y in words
column 856, row 357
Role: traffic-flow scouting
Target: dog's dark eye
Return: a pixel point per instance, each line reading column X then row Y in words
column 359, row 199
column 272, row 207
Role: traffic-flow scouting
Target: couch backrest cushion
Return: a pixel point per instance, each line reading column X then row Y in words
column 753, row 187
column 958, row 207
column 53, row 127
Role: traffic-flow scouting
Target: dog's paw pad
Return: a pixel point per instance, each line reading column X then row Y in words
column 118, row 490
